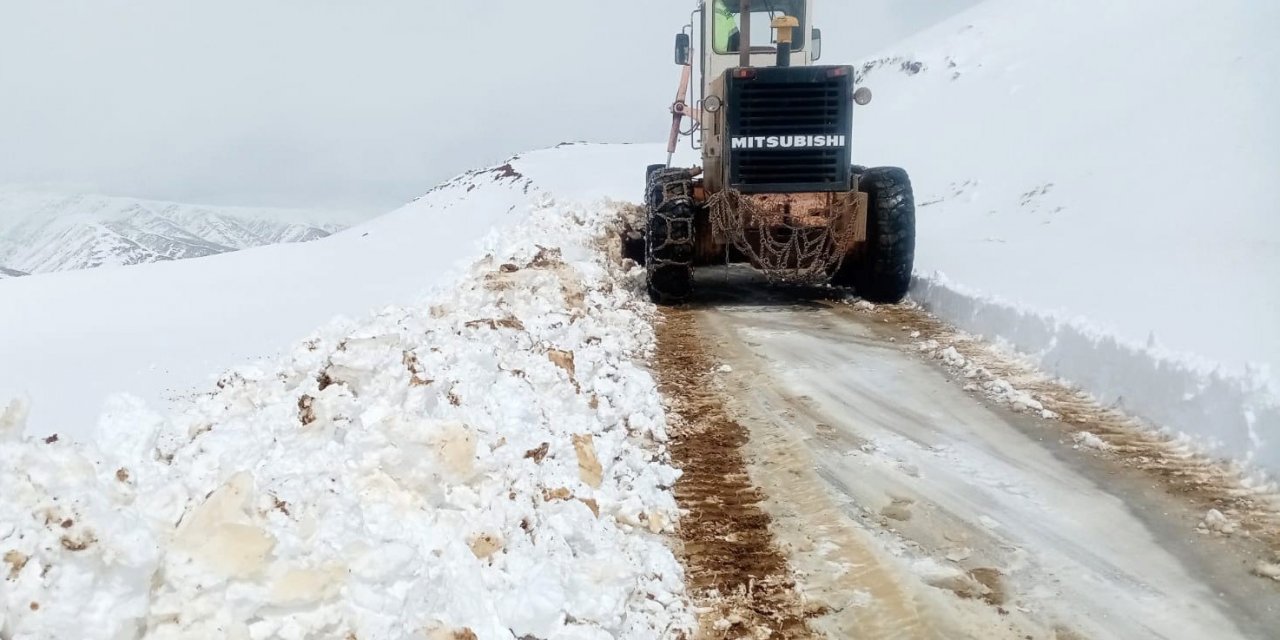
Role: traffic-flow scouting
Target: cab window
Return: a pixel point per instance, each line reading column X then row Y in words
column 727, row 22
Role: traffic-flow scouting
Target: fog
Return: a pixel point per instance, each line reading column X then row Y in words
column 343, row 103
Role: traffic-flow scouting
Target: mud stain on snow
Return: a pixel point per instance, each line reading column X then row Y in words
column 735, row 571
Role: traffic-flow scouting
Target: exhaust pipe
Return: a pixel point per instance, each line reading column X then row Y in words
column 786, row 26
column 744, row 33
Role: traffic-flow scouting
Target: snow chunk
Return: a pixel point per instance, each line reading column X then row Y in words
column 1268, row 570
column 951, row 357
column 1217, row 522
column 78, row 559
column 13, row 420
column 1087, row 440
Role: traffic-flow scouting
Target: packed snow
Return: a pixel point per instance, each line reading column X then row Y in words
column 487, row 461
column 1096, row 187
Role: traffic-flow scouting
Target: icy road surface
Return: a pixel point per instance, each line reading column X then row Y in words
column 955, row 494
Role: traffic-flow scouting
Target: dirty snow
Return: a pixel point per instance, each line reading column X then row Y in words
column 976, row 377
column 1107, row 209
column 490, row 461
column 1090, row 441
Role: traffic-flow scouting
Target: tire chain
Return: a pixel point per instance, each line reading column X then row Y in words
column 808, row 255
column 670, row 210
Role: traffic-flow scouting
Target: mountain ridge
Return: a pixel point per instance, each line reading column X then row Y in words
column 44, row 232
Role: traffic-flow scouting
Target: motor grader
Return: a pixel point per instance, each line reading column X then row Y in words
column 777, row 187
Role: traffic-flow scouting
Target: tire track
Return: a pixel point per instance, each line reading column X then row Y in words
column 735, row 572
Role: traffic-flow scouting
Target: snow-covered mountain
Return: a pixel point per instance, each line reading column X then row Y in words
column 45, row 232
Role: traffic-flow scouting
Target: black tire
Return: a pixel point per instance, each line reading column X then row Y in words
column 634, row 245
column 882, row 272
column 669, row 235
column 652, row 169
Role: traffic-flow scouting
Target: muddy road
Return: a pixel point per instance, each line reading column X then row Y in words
column 838, row 484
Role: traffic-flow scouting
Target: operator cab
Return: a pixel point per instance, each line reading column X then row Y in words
column 722, row 33
column 751, row 53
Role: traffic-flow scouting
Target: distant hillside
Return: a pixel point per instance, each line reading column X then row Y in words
column 45, row 232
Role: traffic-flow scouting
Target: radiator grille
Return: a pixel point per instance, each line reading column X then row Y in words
column 785, row 103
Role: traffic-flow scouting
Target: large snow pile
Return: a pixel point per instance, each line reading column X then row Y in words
column 1097, row 187
column 486, row 462
column 41, row 232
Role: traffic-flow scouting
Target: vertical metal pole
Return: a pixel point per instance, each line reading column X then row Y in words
column 744, row 33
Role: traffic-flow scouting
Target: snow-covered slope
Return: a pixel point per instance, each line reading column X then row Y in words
column 487, row 462
column 42, row 232
column 1097, row 187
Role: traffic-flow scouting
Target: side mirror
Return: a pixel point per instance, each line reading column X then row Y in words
column 817, row 44
column 682, row 49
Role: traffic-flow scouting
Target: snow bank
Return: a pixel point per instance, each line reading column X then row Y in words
column 1234, row 414
column 488, row 462
column 1096, row 187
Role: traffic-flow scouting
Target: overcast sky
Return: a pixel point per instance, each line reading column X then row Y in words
column 343, row 103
